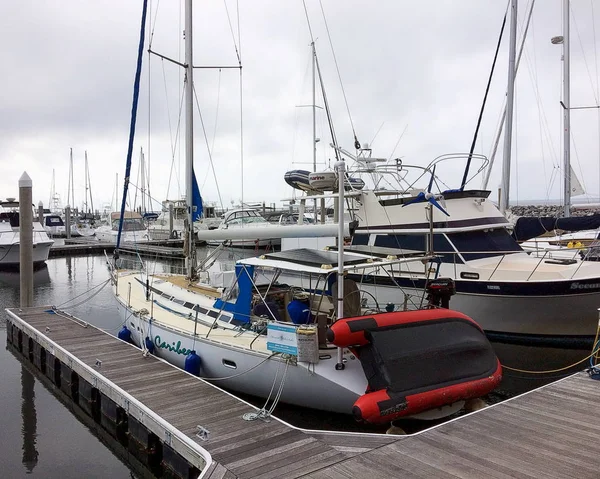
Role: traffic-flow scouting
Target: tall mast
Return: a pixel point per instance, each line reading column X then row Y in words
column 72, row 181
column 314, row 114
column 143, row 179
column 52, row 193
column 566, row 111
column 70, row 199
column 86, row 209
column 189, row 131
column 89, row 183
column 504, row 192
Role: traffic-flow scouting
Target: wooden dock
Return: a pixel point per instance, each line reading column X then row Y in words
column 552, row 432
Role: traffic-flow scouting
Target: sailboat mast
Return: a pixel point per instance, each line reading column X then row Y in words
column 189, row 130
column 89, row 183
column 143, row 180
column 72, row 181
column 70, row 178
column 566, row 110
column 504, row 192
column 86, row 209
column 314, row 116
column 52, row 200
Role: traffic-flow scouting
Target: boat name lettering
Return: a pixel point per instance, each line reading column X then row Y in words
column 585, row 286
column 171, row 347
column 494, row 287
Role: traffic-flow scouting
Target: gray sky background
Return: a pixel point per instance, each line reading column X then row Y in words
column 68, row 70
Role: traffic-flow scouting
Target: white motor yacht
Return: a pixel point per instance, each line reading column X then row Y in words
column 510, row 291
column 9, row 237
column 246, row 218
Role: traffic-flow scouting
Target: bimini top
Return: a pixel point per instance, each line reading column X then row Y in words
column 127, row 214
column 323, row 261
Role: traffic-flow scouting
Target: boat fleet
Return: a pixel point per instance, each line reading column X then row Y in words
column 386, row 317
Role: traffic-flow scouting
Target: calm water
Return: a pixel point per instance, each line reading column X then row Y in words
column 41, row 437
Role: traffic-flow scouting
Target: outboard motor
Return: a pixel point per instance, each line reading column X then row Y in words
column 439, row 291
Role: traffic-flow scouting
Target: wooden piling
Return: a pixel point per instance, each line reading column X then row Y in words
column 26, row 240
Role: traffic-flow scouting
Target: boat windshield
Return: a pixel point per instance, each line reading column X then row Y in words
column 246, row 220
column 245, row 217
column 129, row 224
column 483, row 244
column 54, row 221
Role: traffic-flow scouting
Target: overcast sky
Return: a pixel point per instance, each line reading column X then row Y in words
column 418, row 67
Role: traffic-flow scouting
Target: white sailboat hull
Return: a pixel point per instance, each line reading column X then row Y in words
column 110, row 236
column 254, row 373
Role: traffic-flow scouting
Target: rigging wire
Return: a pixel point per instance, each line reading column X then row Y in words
column 212, row 146
column 398, row 142
column 328, row 111
column 594, row 90
column 356, row 143
column 231, row 30
column 376, row 133
column 212, row 165
column 540, row 124
column 597, row 86
column 487, row 90
column 296, row 116
column 174, row 147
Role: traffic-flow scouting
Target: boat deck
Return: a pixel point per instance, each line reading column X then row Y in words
column 550, row 432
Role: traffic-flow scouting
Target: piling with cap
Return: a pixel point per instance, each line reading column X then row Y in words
column 41, row 213
column 68, row 221
column 26, row 240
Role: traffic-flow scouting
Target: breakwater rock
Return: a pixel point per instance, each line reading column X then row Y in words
column 550, row 210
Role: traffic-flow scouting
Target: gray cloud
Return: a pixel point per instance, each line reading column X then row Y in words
column 69, row 67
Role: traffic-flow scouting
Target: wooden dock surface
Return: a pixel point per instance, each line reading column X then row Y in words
column 552, row 432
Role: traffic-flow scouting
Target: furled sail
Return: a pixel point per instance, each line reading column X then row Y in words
column 197, row 207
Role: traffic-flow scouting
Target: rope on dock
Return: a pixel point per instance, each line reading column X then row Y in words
column 264, row 413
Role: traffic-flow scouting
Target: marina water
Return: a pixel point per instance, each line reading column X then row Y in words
column 40, row 436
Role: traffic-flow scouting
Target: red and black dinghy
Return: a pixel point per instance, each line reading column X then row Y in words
column 416, row 361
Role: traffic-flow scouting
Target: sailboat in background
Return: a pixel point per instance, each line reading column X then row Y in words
column 86, row 220
column 573, row 235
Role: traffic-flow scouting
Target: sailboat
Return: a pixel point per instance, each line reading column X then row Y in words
column 311, row 344
column 535, row 233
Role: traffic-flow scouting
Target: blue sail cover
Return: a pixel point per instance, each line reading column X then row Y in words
column 528, row 227
column 197, row 207
column 136, row 94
